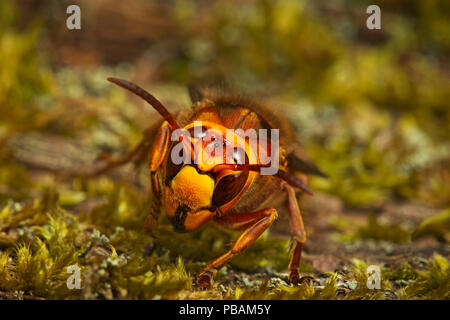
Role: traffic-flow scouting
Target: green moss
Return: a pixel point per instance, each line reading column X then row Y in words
column 373, row 116
column 360, row 275
column 127, row 263
column 432, row 283
column 37, row 264
column 23, row 76
column 437, row 226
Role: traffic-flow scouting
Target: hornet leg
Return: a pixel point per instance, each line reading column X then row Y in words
column 159, row 151
column 260, row 221
column 298, row 235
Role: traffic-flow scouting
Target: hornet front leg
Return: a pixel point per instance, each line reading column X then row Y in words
column 159, row 151
column 255, row 222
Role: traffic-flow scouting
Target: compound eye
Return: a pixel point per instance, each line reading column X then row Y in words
column 173, row 168
column 198, row 132
column 229, row 187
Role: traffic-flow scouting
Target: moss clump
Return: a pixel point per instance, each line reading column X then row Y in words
column 431, row 283
column 117, row 259
column 437, row 226
column 127, row 263
column 48, row 240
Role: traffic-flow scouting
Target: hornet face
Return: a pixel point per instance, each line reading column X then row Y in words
column 194, row 190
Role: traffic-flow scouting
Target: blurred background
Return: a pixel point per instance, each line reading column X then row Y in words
column 371, row 108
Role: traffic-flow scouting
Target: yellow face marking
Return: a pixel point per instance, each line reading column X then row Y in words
column 193, row 189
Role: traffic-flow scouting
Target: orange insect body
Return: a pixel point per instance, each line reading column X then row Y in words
column 225, row 187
